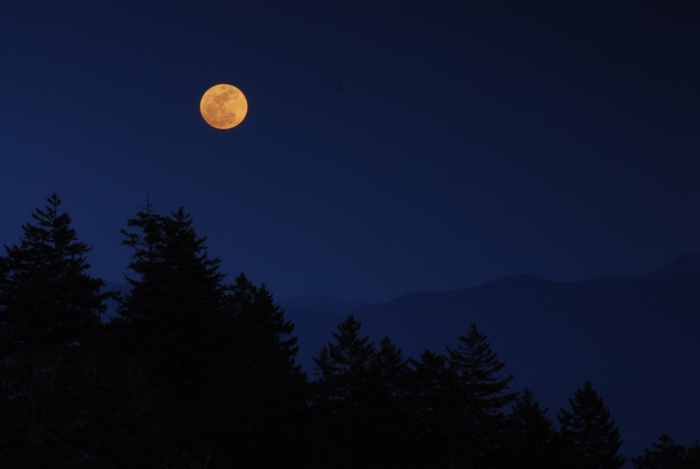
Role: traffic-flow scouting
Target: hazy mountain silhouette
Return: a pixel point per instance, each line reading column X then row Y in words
column 687, row 263
column 321, row 303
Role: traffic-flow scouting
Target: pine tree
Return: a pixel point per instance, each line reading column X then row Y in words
column 268, row 395
column 387, row 407
column 174, row 306
column 49, row 330
column 390, row 367
column 173, row 328
column 432, row 402
column 666, row 455
column 528, row 433
column 593, row 437
column 47, row 298
column 341, row 399
column 482, row 393
column 693, row 454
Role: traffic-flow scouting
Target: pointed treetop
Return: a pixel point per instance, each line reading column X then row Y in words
column 476, row 367
column 45, row 291
column 589, row 429
column 349, row 354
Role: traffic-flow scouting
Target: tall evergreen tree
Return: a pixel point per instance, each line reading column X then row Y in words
column 341, row 397
column 592, row 436
column 268, row 394
column 528, row 434
column 390, row 367
column 482, row 397
column 174, row 306
column 46, row 297
column 665, row 455
column 49, row 327
column 172, row 324
column 694, row 456
column 431, row 402
column 387, row 407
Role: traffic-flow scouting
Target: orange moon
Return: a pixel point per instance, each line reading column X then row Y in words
column 223, row 106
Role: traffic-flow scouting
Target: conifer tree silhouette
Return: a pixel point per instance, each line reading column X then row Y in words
column 341, row 397
column 47, row 298
column 665, row 455
column 528, row 434
column 431, row 403
column 593, row 438
column 481, row 394
column 387, row 401
column 693, row 453
column 49, row 330
column 268, row 393
column 172, row 327
column 174, row 305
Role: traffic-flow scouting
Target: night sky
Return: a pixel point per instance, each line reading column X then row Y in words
column 390, row 146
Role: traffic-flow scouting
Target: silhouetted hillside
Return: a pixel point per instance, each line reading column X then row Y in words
column 321, row 303
column 688, row 263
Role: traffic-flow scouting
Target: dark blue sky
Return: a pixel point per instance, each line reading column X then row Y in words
column 390, row 147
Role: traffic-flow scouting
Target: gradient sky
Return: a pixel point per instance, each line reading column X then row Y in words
column 390, row 146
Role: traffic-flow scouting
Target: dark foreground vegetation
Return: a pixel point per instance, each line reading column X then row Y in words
column 199, row 373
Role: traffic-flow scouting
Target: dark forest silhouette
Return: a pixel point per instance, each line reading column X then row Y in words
column 195, row 372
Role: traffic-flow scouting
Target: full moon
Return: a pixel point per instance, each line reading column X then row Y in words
column 223, row 106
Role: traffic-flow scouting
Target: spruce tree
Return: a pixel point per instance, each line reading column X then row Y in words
column 47, row 298
column 592, row 436
column 665, row 455
column 174, row 305
column 431, row 402
column 390, row 367
column 387, row 407
column 693, row 454
column 482, row 396
column 49, row 330
column 528, row 434
column 172, row 332
column 268, row 392
column 341, row 393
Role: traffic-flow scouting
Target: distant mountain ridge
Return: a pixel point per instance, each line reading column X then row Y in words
column 684, row 264
column 321, row 303
column 688, row 263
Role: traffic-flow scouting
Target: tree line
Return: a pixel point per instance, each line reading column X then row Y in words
column 195, row 372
